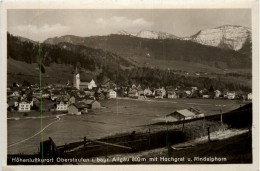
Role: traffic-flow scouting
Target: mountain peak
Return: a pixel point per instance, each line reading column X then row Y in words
column 226, row 36
column 148, row 34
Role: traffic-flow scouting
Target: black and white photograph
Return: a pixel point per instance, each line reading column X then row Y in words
column 129, row 86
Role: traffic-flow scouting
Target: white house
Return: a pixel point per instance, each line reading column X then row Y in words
column 205, row 96
column 148, row 92
column 92, row 84
column 217, row 93
column 62, row 106
column 159, row 93
column 249, row 96
column 172, row 95
column 112, row 94
column 24, row 107
column 231, row 95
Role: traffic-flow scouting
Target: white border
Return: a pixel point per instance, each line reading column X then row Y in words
column 253, row 5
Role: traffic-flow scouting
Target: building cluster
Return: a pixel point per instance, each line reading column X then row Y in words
column 56, row 98
column 83, row 96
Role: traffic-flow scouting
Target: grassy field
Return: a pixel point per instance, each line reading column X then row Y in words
column 116, row 116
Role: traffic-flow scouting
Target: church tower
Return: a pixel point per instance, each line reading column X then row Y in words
column 76, row 80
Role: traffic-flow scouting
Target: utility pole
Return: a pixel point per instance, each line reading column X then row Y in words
column 208, row 134
column 183, row 126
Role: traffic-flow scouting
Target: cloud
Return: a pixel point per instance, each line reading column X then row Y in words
column 45, row 29
column 33, row 31
column 121, row 22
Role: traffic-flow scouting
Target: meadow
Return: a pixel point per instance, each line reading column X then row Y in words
column 116, row 116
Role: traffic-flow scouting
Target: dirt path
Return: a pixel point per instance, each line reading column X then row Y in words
column 33, row 117
column 39, row 132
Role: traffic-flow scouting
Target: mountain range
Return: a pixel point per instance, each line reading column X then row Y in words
column 222, row 47
column 227, row 36
column 117, row 56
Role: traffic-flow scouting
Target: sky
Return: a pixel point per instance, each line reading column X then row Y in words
column 38, row 25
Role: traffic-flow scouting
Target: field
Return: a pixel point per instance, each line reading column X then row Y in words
column 117, row 116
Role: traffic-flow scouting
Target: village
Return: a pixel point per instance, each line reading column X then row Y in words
column 80, row 97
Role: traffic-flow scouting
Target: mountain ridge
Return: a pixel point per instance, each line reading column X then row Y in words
column 226, row 36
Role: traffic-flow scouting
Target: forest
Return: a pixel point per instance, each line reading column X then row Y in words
column 110, row 66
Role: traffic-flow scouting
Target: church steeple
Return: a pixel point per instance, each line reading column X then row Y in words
column 76, row 70
column 76, row 78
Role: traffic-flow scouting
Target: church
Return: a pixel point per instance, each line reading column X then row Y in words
column 82, row 85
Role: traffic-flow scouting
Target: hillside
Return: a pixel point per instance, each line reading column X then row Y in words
column 131, row 48
column 59, row 61
column 64, row 53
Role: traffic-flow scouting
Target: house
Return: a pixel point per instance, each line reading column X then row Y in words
column 133, row 86
column 61, row 106
column 249, row 96
column 159, row 93
column 204, row 91
column 83, row 85
column 15, row 94
column 171, row 94
column 81, row 94
column 140, row 93
column 148, row 92
column 90, row 93
column 77, row 108
column 188, row 92
column 92, row 104
column 72, row 99
column 112, row 94
column 101, row 96
column 186, row 114
column 205, row 96
column 193, row 89
column 57, row 94
column 92, row 84
column 231, row 95
column 133, row 93
column 196, row 112
column 24, row 106
column 217, row 93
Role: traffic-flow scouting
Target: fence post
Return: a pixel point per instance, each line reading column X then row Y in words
column 208, row 134
column 85, row 139
column 149, row 140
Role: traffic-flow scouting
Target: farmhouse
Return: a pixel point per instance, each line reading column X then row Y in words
column 186, row 114
column 92, row 104
column 231, row 95
column 217, row 93
column 159, row 93
column 112, row 94
column 24, row 106
column 148, row 92
column 171, row 94
column 133, row 93
column 77, row 108
column 72, row 99
column 61, row 106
